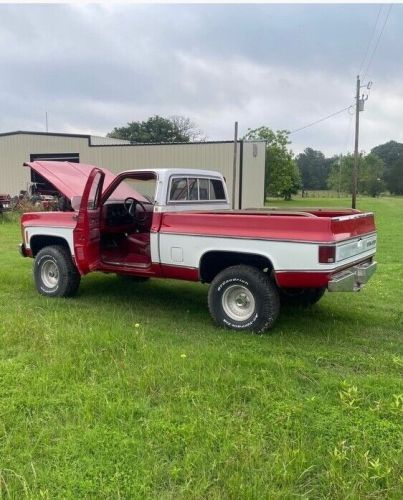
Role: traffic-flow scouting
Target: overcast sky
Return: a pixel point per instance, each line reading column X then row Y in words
column 94, row 67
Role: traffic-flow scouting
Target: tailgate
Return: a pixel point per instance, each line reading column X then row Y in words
column 355, row 235
column 356, row 247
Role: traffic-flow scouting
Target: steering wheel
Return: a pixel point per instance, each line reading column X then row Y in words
column 130, row 205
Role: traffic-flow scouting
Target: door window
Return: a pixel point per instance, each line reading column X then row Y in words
column 93, row 197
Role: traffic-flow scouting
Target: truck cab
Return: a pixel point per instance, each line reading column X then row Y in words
column 111, row 222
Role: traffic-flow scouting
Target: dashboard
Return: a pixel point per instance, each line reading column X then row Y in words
column 115, row 215
column 116, row 219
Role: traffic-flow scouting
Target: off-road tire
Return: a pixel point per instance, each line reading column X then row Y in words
column 225, row 299
column 301, row 297
column 56, row 260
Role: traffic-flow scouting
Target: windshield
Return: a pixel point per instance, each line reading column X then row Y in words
column 139, row 189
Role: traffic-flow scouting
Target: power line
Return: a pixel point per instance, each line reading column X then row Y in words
column 320, row 120
column 349, row 130
column 370, row 38
column 370, row 59
column 377, row 42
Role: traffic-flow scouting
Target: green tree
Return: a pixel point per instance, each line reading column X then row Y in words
column 340, row 175
column 157, row 130
column 389, row 152
column 370, row 175
column 282, row 174
column 370, row 179
column 314, row 168
column 392, row 154
column 395, row 177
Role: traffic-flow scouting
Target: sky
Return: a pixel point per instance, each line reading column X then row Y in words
column 95, row 67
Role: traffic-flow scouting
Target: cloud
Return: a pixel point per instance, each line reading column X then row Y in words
column 94, row 67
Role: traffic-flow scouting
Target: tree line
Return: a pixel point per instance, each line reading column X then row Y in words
column 379, row 171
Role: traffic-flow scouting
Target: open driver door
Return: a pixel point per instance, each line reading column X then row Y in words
column 87, row 232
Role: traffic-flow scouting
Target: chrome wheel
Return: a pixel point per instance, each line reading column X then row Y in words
column 49, row 274
column 238, row 303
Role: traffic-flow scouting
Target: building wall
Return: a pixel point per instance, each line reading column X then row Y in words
column 253, row 174
column 16, row 149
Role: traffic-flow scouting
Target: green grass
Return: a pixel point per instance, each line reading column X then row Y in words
column 132, row 392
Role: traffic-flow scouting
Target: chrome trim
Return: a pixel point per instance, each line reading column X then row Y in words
column 126, row 264
column 353, row 278
column 352, row 216
column 261, row 238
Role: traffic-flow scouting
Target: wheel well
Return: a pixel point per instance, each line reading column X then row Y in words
column 41, row 241
column 214, row 262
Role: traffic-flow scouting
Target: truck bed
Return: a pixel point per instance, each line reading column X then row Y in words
column 311, row 225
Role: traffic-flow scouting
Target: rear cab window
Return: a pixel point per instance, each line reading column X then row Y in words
column 183, row 189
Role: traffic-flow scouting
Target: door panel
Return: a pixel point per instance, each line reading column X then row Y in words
column 87, row 231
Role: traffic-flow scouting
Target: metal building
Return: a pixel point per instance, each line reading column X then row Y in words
column 116, row 155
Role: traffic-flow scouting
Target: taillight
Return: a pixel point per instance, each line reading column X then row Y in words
column 327, row 254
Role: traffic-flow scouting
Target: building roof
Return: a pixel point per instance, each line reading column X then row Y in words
column 94, row 140
column 110, row 141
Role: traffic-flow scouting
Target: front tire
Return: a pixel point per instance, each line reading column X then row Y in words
column 243, row 298
column 55, row 274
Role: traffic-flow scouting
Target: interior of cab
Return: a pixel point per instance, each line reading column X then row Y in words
column 126, row 220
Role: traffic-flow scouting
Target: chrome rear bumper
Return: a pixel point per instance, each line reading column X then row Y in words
column 352, row 279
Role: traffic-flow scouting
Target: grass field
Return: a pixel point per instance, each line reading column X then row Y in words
column 132, row 392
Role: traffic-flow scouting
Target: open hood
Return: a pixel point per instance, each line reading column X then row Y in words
column 70, row 178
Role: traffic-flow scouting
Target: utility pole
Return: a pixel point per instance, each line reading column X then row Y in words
column 234, row 165
column 357, row 131
column 46, row 120
column 359, row 106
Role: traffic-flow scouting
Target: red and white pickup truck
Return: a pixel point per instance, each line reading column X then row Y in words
column 177, row 223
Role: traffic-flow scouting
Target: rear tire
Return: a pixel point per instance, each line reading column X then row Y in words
column 302, row 297
column 55, row 274
column 243, row 298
